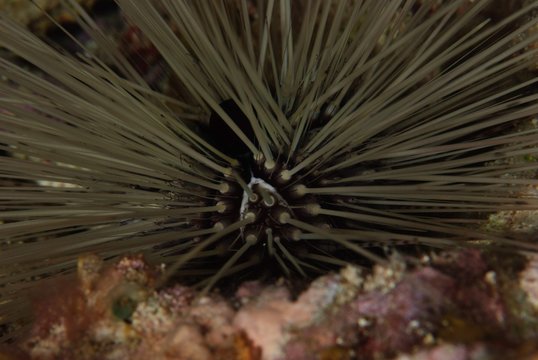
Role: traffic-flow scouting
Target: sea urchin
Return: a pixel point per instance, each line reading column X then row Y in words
column 289, row 136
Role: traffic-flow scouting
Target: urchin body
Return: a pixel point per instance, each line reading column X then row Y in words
column 339, row 124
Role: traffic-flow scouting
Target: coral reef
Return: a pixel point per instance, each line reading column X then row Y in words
column 428, row 311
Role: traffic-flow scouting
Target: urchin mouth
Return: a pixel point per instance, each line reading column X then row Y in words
column 259, row 195
column 270, row 208
column 268, row 203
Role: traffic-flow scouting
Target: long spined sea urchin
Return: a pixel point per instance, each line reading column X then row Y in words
column 304, row 130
